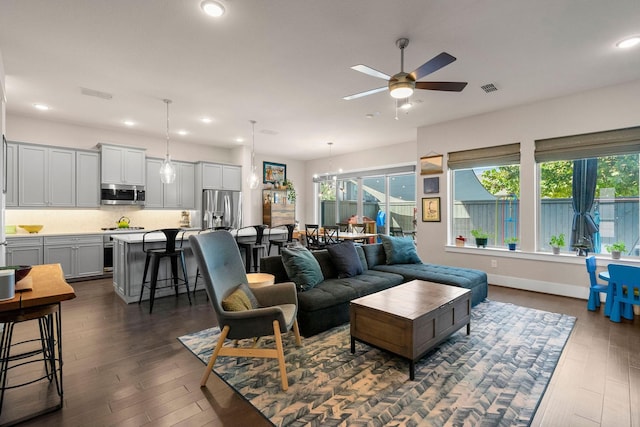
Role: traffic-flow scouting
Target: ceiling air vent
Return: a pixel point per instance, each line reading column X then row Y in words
column 488, row 88
column 96, row 93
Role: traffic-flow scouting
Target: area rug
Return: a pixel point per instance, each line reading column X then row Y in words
column 494, row 377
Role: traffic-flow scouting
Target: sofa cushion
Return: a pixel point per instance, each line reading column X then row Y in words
column 345, row 259
column 240, row 300
column 302, row 267
column 400, row 250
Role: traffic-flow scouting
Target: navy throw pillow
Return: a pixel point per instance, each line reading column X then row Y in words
column 345, row 259
column 400, row 250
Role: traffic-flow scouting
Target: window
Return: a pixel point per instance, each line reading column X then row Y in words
column 486, row 192
column 589, row 186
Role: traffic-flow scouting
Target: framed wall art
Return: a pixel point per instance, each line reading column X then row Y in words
column 273, row 172
column 431, row 209
column 431, row 185
column 431, row 164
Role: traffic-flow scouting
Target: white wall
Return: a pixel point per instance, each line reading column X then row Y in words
column 597, row 110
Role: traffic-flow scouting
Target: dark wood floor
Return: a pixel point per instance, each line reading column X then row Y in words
column 125, row 367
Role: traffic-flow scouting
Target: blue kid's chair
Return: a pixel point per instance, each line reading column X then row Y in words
column 627, row 282
column 596, row 288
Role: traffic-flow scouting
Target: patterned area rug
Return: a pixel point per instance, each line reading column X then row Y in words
column 494, row 377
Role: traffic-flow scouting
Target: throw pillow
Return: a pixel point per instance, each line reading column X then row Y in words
column 240, row 300
column 400, row 250
column 345, row 259
column 302, row 267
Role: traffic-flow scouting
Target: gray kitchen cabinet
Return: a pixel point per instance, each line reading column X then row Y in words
column 122, row 165
column 215, row 176
column 87, row 179
column 79, row 256
column 24, row 251
column 11, row 175
column 46, row 176
column 178, row 195
column 153, row 188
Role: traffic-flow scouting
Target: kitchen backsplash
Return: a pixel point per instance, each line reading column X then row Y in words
column 89, row 220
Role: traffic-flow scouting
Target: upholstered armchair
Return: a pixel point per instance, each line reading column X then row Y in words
column 242, row 312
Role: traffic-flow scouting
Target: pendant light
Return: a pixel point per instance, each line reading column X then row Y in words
column 253, row 179
column 168, row 169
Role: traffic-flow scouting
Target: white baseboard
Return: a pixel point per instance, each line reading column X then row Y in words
column 562, row 289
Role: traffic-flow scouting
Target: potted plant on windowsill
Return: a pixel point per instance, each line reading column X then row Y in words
column 481, row 237
column 511, row 243
column 556, row 242
column 616, row 249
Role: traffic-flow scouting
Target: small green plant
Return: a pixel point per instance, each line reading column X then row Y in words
column 557, row 241
column 478, row 233
column 511, row 240
column 616, row 247
column 291, row 191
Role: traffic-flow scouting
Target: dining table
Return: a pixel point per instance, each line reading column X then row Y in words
column 37, row 297
column 341, row 235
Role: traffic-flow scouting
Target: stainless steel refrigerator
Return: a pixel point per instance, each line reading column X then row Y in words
column 221, row 208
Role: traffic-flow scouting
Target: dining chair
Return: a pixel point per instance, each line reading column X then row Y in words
column 595, row 288
column 343, row 227
column 331, row 235
column 277, row 239
column 626, row 280
column 312, row 235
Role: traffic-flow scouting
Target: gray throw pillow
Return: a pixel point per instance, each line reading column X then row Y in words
column 400, row 250
column 345, row 259
column 302, row 267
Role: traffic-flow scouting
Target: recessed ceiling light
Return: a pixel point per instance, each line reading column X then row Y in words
column 212, row 8
column 41, row 107
column 206, row 120
column 239, row 139
column 129, row 123
column 628, row 42
column 182, row 132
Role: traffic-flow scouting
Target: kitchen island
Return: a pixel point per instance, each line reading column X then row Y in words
column 128, row 262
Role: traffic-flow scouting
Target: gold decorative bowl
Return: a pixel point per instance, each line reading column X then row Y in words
column 31, row 228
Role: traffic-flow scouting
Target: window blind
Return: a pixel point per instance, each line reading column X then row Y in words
column 597, row 144
column 499, row 155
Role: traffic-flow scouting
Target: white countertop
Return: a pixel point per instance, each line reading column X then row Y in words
column 157, row 237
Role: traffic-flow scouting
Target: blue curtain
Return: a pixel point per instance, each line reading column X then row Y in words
column 584, row 191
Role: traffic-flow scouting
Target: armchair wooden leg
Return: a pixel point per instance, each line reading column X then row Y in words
column 296, row 331
column 280, row 350
column 214, row 356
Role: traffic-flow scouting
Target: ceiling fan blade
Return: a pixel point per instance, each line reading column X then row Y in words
column 370, row 71
column 361, row 94
column 432, row 65
column 448, row 86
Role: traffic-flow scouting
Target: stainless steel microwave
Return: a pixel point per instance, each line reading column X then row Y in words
column 119, row 194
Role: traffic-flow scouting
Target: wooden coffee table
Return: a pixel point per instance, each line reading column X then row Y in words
column 410, row 319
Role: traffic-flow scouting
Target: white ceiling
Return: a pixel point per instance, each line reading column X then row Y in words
column 285, row 63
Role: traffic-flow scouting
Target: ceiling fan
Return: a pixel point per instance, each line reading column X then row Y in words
column 402, row 85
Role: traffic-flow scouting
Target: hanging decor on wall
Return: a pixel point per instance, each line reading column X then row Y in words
column 430, row 165
column 431, row 209
column 431, row 185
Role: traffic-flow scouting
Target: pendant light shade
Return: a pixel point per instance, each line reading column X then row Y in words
column 167, row 169
column 253, row 180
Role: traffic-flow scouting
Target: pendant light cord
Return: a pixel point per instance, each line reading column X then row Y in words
column 167, row 101
column 253, row 144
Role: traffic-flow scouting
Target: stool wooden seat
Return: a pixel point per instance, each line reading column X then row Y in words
column 155, row 255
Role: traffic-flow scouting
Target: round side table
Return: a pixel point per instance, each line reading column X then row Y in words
column 258, row 280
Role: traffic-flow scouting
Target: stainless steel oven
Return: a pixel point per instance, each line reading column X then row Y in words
column 107, row 245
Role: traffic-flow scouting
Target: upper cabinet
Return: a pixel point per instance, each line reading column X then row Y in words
column 219, row 177
column 180, row 194
column 46, row 176
column 11, row 174
column 88, row 179
column 122, row 165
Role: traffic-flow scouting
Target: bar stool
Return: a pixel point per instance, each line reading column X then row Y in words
column 154, row 255
column 252, row 248
column 279, row 242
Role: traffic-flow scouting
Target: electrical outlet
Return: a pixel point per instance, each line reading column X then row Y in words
column 494, row 263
